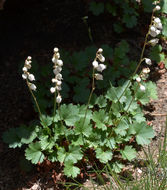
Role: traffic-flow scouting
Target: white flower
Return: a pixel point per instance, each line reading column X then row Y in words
column 56, row 50
column 142, row 88
column 157, row 8
column 57, row 70
column 158, row 32
column 60, row 62
column 153, row 42
column 101, row 58
column 157, row 20
column 29, row 58
column 101, row 67
column 57, row 55
column 154, row 32
column 52, row 90
column 58, row 82
column 98, row 76
column 54, row 60
column 153, row 28
column 59, row 76
column 148, row 61
column 54, row 80
column 58, row 88
column 58, row 99
column 146, row 70
column 138, row 79
column 24, row 76
column 95, row 64
column 25, row 69
column 100, row 50
column 31, row 77
column 159, row 26
column 33, row 87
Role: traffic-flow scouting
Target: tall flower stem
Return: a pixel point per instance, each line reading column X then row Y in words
column 35, row 100
column 54, row 109
column 91, row 93
column 140, row 61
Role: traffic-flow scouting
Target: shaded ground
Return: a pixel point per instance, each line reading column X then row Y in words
column 34, row 28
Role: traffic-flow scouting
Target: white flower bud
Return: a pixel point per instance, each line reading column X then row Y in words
column 98, row 76
column 148, row 61
column 54, row 80
column 59, row 76
column 159, row 26
column 57, row 55
column 157, row 8
column 138, row 79
column 52, row 90
column 57, row 70
column 101, row 67
column 142, row 88
column 153, row 28
column 157, row 20
column 59, row 62
column 24, row 76
column 25, row 69
column 58, row 99
column 54, row 60
column 58, row 82
column 146, row 70
column 158, row 32
column 153, row 42
column 31, row 77
column 33, row 87
column 29, row 58
column 100, row 50
column 101, row 58
column 95, row 64
column 56, row 50
column 58, row 88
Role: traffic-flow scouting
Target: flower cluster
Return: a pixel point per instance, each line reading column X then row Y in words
column 99, row 66
column 156, row 27
column 154, row 30
column 57, row 80
column 28, row 76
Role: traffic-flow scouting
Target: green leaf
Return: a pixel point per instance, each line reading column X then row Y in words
column 164, row 6
column 69, row 113
column 52, row 156
column 96, row 8
column 143, row 133
column 164, row 22
column 61, row 154
column 101, row 101
column 154, row 53
column 46, row 143
column 139, row 117
column 33, row 153
column 152, row 90
column 148, row 5
column 11, row 137
column 103, row 156
column 46, row 120
column 74, row 154
column 83, row 127
column 100, row 118
column 129, row 20
column 111, row 143
column 70, row 170
column 117, row 167
column 128, row 153
column 111, row 9
column 122, row 127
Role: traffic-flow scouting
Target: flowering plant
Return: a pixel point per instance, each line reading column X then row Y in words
column 102, row 131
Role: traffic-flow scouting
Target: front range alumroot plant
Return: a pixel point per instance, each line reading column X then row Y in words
column 106, row 130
